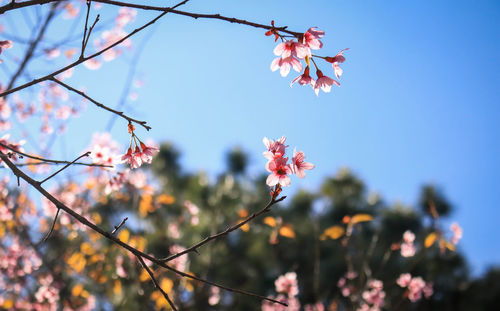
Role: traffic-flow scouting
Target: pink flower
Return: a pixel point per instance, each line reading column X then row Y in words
column 457, row 233
column 292, row 48
column 287, row 284
column 147, row 153
column 133, row 159
column 275, row 149
column 304, row 79
column 404, row 280
column 339, row 58
column 92, row 64
column 299, row 166
column 408, row 236
column 5, row 44
column 408, row 250
column 284, row 65
column 325, row 83
column 311, row 38
column 279, row 172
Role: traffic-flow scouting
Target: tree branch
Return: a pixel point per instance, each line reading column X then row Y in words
column 86, row 154
column 155, row 282
column 266, row 209
column 20, row 174
column 98, row 104
column 48, row 161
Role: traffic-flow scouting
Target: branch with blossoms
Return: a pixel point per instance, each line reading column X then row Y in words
column 35, row 184
column 138, row 152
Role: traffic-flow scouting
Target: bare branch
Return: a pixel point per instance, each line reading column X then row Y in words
column 46, row 237
column 119, row 226
column 85, row 29
column 98, row 104
column 155, row 282
column 266, row 209
column 86, row 154
column 48, row 161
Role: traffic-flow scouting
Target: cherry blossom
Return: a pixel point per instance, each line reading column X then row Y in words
column 457, row 233
column 279, row 172
column 304, row 78
column 298, row 165
column 287, row 284
column 5, row 44
column 285, row 64
column 292, row 48
column 147, row 153
column 408, row 249
column 416, row 287
column 339, row 58
column 323, row 82
column 311, row 38
column 132, row 158
column 275, row 149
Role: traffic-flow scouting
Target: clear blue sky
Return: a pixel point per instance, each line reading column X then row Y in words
column 419, row 101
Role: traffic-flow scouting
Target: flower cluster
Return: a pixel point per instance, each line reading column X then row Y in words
column 278, row 165
column 288, row 289
column 373, row 296
column 290, row 52
column 342, row 283
column 140, row 154
column 408, row 249
column 416, row 286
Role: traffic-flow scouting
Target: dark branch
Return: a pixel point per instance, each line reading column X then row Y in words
column 98, row 104
column 20, row 174
column 47, row 161
column 119, row 226
column 266, row 209
column 155, row 282
column 86, row 154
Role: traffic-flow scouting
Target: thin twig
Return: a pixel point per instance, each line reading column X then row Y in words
column 84, row 221
column 266, row 209
column 98, row 104
column 90, row 32
column 48, row 161
column 45, row 238
column 155, row 282
column 85, row 29
column 86, row 154
column 119, row 226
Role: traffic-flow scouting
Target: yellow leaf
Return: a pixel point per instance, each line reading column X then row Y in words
column 245, row 227
column 86, row 248
column 166, row 284
column 138, row 242
column 287, row 231
column 430, row 239
column 165, row 199
column 7, row 304
column 124, row 235
column 333, row 232
column 243, row 213
column 270, row 221
column 84, row 294
column 2, row 231
column 449, row 246
column 144, row 276
column 361, row 218
column 117, row 288
column 77, row 262
column 77, row 290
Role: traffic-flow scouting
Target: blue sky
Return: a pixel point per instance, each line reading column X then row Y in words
column 419, row 101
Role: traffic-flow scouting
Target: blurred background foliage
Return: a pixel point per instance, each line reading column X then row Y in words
column 184, row 207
